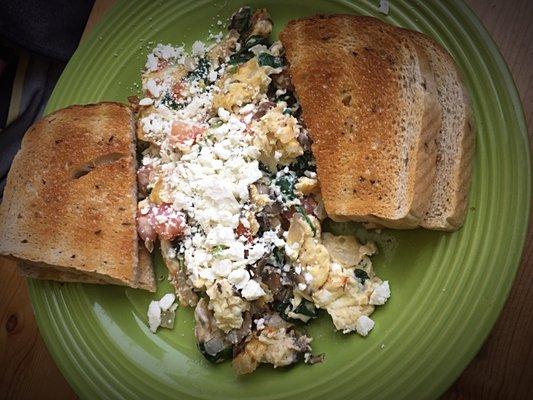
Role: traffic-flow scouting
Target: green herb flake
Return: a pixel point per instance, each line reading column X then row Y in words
column 217, row 250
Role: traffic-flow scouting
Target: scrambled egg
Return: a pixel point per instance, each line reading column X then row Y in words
column 330, row 261
column 249, row 81
column 347, row 251
column 344, row 298
column 306, row 186
column 278, row 347
column 276, row 134
column 227, row 307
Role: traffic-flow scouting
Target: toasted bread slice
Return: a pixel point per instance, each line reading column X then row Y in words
column 43, row 272
column 370, row 103
column 71, row 197
column 455, row 141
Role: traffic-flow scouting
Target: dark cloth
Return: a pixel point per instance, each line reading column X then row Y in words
column 37, row 38
column 51, row 28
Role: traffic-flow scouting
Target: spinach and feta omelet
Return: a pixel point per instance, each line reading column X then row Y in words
column 230, row 192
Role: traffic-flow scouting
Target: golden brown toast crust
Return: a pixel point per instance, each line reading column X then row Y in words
column 353, row 78
column 70, row 199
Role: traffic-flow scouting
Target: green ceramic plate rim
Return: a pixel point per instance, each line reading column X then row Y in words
column 58, row 339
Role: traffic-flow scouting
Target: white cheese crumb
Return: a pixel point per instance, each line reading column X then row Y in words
column 152, row 63
column 384, row 6
column 198, row 48
column 154, row 316
column 259, row 323
column 222, row 268
column 212, row 76
column 166, row 301
column 364, row 325
column 302, row 286
column 380, row 294
column 153, row 87
column 252, row 291
column 248, row 108
column 223, row 114
column 146, row 101
column 239, row 278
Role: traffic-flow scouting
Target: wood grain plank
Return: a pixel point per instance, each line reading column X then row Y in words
column 503, row 369
column 27, row 371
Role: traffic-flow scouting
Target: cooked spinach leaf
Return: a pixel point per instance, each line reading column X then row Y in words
column 268, row 60
column 201, row 71
column 361, row 275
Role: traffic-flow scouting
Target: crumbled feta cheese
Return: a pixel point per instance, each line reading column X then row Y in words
column 259, row 323
column 154, row 316
column 302, row 286
column 146, row 101
column 364, row 325
column 222, row 268
column 239, row 278
column 252, row 291
column 384, row 7
column 166, row 301
column 198, row 48
column 212, row 76
column 152, row 63
column 220, row 235
column 380, row 294
column 223, row 114
column 153, row 87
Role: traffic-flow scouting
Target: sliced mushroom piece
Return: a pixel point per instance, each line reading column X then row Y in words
column 236, row 336
column 178, row 278
column 211, row 340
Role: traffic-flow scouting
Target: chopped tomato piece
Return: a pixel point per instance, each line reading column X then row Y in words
column 160, row 220
column 176, row 91
column 162, row 64
column 182, row 132
column 167, row 222
column 241, row 230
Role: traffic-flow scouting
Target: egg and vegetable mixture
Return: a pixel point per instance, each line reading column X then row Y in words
column 230, row 192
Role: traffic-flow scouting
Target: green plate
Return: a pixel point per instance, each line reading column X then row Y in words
column 447, row 288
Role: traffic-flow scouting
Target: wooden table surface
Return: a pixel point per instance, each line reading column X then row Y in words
column 503, row 369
